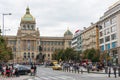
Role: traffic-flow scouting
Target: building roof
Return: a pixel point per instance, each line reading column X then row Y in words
column 28, row 17
column 68, row 32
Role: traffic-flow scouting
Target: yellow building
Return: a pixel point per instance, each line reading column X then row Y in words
column 90, row 37
column 25, row 45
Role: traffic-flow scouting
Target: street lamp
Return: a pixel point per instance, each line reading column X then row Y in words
column 3, row 20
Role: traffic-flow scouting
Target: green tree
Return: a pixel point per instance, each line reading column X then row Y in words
column 66, row 55
column 5, row 52
column 92, row 54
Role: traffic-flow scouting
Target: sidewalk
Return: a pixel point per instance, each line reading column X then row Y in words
column 14, row 78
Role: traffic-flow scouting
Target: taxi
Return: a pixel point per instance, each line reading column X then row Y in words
column 56, row 67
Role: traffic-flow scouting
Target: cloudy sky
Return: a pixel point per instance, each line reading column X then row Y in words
column 53, row 17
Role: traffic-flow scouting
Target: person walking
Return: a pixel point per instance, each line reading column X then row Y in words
column 114, row 69
column 106, row 69
column 32, row 70
column 35, row 68
column 119, row 71
column 109, row 72
column 16, row 72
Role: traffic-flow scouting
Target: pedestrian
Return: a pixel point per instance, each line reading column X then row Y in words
column 106, row 69
column 7, row 71
column 32, row 70
column 109, row 72
column 35, row 68
column 114, row 69
column 88, row 69
column 119, row 71
column 16, row 72
column 4, row 70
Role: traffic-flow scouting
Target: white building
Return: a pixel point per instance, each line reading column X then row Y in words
column 77, row 41
column 109, row 32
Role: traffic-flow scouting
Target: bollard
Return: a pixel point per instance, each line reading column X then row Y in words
column 81, row 71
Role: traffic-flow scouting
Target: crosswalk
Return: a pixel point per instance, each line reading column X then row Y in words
column 51, row 78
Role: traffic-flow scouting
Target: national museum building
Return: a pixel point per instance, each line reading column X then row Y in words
column 25, row 45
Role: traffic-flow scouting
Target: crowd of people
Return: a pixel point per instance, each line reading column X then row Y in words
column 9, row 70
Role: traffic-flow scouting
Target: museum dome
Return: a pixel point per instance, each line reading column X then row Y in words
column 28, row 17
column 68, row 32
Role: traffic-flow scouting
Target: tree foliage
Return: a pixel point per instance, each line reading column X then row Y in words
column 92, row 54
column 66, row 55
column 5, row 52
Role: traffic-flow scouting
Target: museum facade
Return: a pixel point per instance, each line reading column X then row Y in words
column 25, row 45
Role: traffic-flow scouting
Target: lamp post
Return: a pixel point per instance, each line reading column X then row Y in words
column 3, row 20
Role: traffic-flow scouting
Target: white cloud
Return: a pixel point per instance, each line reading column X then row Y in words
column 54, row 16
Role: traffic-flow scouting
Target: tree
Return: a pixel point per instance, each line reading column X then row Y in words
column 66, row 55
column 5, row 52
column 92, row 54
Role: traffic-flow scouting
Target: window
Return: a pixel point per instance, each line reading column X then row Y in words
column 28, row 55
column 44, row 49
column 28, row 26
column 100, row 27
column 48, row 49
column 107, row 23
column 114, row 44
column 101, row 41
column 107, row 38
column 113, row 20
column 32, row 27
column 14, row 48
column 102, row 48
column 24, row 55
column 107, row 31
column 32, row 55
column 101, row 33
column 107, row 46
column 113, row 28
column 48, row 55
column 24, row 27
column 113, row 36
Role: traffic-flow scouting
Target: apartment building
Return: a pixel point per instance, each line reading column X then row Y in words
column 109, row 32
column 90, row 37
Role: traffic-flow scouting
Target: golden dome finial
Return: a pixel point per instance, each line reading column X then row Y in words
column 27, row 10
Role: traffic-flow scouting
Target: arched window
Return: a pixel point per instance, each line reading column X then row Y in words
column 28, row 55
column 28, row 26
column 25, row 55
column 32, row 55
column 48, row 55
column 24, row 27
column 32, row 27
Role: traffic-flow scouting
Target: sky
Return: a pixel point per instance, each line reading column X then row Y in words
column 53, row 17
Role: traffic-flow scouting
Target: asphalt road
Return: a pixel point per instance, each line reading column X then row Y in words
column 49, row 74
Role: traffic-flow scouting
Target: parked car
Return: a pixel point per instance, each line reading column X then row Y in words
column 23, row 70
column 56, row 67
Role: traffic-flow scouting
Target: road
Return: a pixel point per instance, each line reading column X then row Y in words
column 49, row 74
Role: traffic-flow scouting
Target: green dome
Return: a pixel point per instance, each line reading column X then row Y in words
column 27, row 17
column 68, row 32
